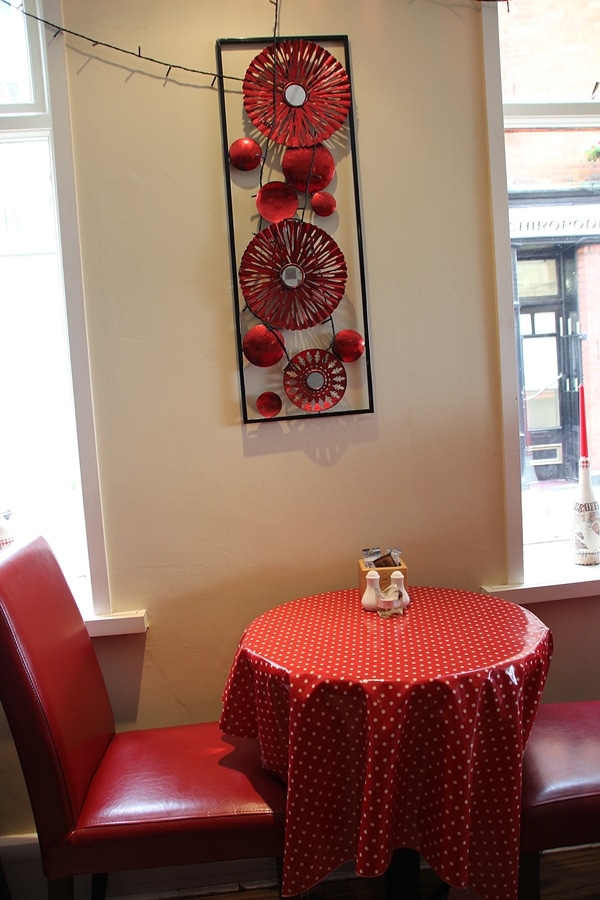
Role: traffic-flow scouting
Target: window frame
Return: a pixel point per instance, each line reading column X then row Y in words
column 536, row 579
column 504, row 292
column 64, row 168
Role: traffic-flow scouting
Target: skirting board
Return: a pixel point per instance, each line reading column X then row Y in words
column 22, row 866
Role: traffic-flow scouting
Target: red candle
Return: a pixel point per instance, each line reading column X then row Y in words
column 583, row 443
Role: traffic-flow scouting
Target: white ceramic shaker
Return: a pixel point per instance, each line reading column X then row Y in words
column 397, row 579
column 370, row 597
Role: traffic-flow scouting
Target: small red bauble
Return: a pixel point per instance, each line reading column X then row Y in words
column 263, row 346
column 348, row 345
column 323, row 203
column 269, row 404
column 245, row 154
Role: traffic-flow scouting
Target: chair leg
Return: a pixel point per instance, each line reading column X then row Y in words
column 99, row 886
column 4, row 891
column 61, row 888
column 529, row 876
column 402, row 881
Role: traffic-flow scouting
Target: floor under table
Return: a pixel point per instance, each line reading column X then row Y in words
column 565, row 874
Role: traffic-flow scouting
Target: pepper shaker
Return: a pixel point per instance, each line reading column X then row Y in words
column 371, row 594
column 397, row 579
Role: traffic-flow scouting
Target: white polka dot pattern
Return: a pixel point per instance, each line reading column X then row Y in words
column 406, row 731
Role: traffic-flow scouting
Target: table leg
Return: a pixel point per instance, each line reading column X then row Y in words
column 402, row 880
column 4, row 892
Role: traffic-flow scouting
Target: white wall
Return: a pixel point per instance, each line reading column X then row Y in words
column 209, row 522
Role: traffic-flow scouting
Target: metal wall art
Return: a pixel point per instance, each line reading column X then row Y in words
column 294, row 227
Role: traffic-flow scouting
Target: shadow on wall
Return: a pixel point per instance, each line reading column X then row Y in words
column 575, row 626
column 121, row 659
column 324, row 441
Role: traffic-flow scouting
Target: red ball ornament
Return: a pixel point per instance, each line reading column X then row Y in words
column 348, row 345
column 245, row 154
column 269, row 404
column 323, row 203
column 263, row 346
column 277, row 201
column 308, row 169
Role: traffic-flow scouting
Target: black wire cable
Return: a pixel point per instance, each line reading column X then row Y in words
column 59, row 29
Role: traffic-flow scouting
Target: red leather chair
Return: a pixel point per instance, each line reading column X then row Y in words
column 561, row 786
column 105, row 801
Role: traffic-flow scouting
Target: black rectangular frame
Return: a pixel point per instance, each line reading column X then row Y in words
column 242, row 51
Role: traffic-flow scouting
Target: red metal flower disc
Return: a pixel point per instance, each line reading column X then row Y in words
column 308, row 169
column 276, row 201
column 293, row 275
column 315, row 380
column 296, row 93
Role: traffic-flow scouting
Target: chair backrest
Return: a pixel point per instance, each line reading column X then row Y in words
column 51, row 687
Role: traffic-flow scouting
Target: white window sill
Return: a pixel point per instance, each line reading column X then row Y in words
column 134, row 621
column 549, row 574
column 131, row 621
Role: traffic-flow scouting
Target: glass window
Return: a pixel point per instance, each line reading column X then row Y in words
column 47, row 446
column 537, row 277
column 549, row 51
column 549, row 69
column 16, row 84
column 39, row 466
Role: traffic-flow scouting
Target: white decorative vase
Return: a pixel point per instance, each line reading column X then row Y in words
column 586, row 519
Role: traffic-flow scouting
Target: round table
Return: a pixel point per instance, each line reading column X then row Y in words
column 394, row 732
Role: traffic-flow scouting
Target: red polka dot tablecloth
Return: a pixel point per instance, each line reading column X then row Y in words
column 390, row 732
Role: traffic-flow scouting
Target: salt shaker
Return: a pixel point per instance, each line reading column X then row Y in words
column 397, row 579
column 370, row 596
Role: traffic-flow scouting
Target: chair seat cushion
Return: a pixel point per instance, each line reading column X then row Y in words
column 561, row 777
column 174, row 796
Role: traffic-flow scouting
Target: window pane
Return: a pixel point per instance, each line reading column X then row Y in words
column 541, row 383
column 39, row 465
column 549, row 56
column 526, row 326
column 549, row 51
column 545, row 323
column 537, row 278
column 15, row 73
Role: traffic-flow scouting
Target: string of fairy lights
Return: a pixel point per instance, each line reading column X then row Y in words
column 168, row 66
